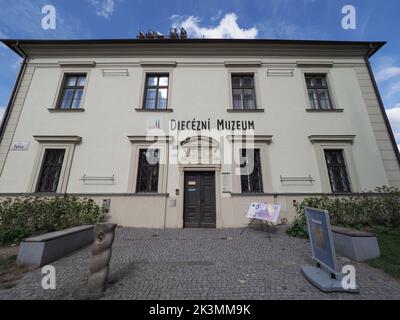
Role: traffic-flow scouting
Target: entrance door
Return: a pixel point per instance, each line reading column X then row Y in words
column 199, row 200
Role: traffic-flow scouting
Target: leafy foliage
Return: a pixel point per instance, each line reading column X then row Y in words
column 23, row 217
column 382, row 208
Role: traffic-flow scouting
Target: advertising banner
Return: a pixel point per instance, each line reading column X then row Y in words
column 264, row 211
column 319, row 230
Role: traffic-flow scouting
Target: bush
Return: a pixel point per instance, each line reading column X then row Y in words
column 365, row 210
column 23, row 217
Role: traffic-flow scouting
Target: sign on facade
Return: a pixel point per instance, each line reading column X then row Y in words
column 20, row 146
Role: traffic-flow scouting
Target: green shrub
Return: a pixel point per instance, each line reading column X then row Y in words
column 365, row 210
column 23, row 217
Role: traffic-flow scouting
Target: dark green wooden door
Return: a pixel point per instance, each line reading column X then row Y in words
column 199, row 207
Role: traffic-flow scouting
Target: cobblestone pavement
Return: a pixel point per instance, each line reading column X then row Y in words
column 201, row 264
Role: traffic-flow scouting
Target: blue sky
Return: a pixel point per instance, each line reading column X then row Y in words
column 288, row 19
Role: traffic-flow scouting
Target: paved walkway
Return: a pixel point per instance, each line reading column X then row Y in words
column 201, row 264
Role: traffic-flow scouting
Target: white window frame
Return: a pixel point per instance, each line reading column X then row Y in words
column 156, row 70
column 346, row 146
column 328, row 76
column 265, row 167
column 238, row 71
column 137, row 145
column 60, row 88
column 66, row 143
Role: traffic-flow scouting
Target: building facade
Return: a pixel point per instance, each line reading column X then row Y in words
column 187, row 133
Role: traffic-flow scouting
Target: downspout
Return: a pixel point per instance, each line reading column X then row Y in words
column 380, row 101
column 14, row 91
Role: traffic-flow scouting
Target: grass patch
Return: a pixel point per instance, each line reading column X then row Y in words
column 389, row 244
column 10, row 272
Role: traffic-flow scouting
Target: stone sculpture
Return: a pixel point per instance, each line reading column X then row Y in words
column 101, row 255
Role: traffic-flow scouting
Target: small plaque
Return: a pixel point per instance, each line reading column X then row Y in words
column 192, row 183
column 20, row 146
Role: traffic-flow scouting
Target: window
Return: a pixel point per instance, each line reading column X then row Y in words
column 156, row 91
column 337, row 171
column 243, row 92
column 51, row 170
column 72, row 91
column 318, row 91
column 250, row 171
column 148, row 168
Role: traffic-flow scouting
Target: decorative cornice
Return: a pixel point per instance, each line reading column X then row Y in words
column 79, row 64
column 192, row 47
column 58, row 139
column 331, row 138
column 115, row 72
column 158, row 63
column 315, row 63
column 255, row 138
column 143, row 139
column 245, row 64
column 280, row 72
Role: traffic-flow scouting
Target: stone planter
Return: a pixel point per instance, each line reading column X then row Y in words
column 356, row 245
column 41, row 250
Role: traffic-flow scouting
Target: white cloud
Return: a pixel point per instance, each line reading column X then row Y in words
column 393, row 89
column 217, row 16
column 104, row 8
column 227, row 27
column 387, row 73
column 394, row 115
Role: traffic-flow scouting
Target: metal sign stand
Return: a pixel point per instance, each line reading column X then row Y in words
column 325, row 275
column 262, row 228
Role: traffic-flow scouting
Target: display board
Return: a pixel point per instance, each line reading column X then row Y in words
column 264, row 211
column 319, row 230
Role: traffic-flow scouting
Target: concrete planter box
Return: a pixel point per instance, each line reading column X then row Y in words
column 356, row 245
column 41, row 250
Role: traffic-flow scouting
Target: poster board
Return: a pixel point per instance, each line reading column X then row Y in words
column 264, row 211
column 322, row 247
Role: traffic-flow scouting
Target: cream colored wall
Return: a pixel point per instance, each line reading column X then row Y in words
column 200, row 89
